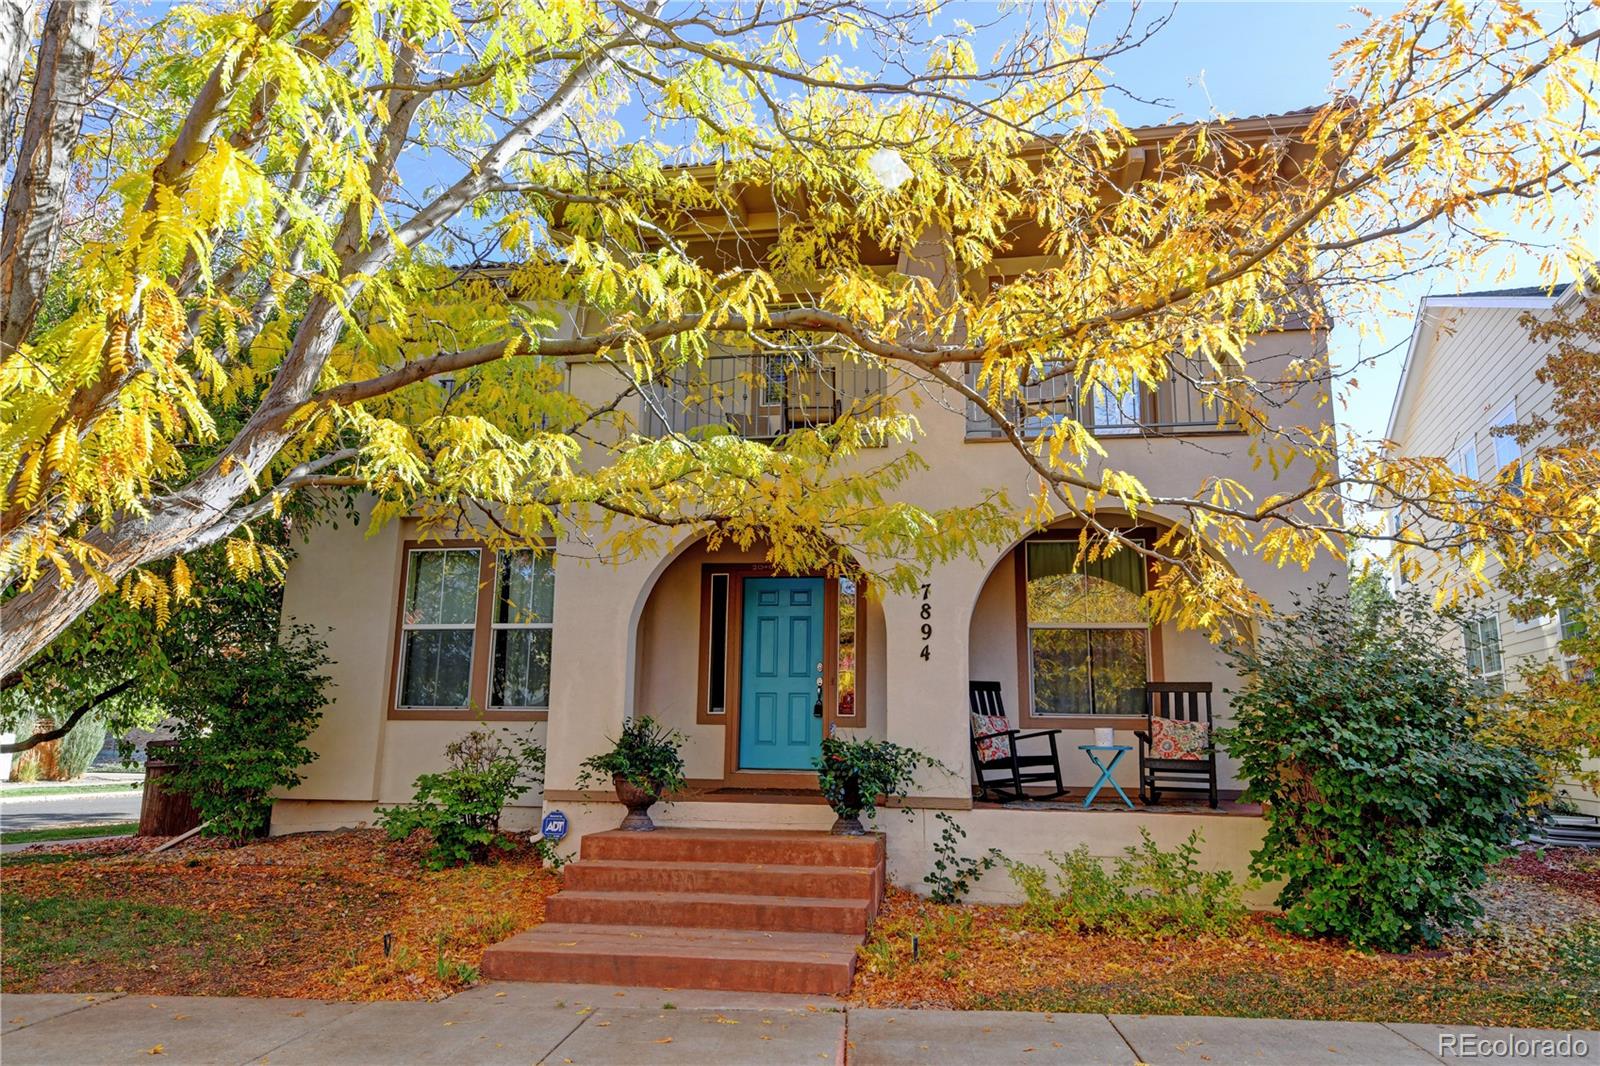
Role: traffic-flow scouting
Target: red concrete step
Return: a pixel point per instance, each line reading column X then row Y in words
column 723, row 878
column 699, row 910
column 730, row 960
column 793, row 848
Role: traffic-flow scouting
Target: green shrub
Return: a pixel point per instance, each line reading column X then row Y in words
column 953, row 873
column 244, row 714
column 1146, row 892
column 461, row 807
column 76, row 751
column 1385, row 804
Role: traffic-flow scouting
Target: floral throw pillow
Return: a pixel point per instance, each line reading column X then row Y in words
column 1178, row 740
column 990, row 747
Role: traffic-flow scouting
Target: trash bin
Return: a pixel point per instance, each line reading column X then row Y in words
column 162, row 812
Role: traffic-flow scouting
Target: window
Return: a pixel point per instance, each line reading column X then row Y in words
column 1088, row 637
column 475, row 631
column 1482, row 638
column 1464, row 461
column 438, row 625
column 1111, row 413
column 524, row 607
column 1507, row 452
column 851, row 633
column 1572, row 626
column 716, row 701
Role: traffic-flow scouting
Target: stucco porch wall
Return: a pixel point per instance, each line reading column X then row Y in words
column 1021, row 835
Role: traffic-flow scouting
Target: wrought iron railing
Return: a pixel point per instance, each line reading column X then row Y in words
column 760, row 397
column 1179, row 406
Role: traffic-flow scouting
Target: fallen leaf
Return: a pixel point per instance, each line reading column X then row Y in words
column 159, row 1049
column 665, row 1040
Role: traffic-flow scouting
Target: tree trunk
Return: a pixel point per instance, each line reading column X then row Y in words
column 32, row 233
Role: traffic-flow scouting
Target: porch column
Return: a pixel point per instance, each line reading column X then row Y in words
column 926, row 670
column 593, row 659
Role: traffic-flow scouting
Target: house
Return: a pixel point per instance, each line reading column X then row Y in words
column 1469, row 370
column 422, row 649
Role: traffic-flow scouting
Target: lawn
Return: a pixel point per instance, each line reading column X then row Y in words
column 71, row 790
column 1536, row 962
column 293, row 916
column 70, row 832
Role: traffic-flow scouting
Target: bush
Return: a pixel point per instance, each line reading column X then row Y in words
column 1384, row 802
column 76, row 751
column 461, row 807
column 953, row 873
column 243, row 716
column 1147, row 892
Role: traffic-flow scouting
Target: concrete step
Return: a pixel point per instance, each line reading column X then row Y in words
column 789, row 848
column 700, row 910
column 724, row 878
column 723, row 959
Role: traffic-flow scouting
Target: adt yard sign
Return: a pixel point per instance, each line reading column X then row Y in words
column 554, row 826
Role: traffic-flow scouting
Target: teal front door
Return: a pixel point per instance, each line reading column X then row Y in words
column 780, row 720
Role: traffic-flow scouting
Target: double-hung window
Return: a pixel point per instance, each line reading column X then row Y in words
column 475, row 631
column 1482, row 638
column 1088, row 635
column 1507, row 452
column 524, row 610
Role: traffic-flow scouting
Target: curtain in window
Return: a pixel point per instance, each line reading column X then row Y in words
column 1088, row 637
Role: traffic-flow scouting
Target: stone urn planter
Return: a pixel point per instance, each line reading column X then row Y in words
column 638, row 801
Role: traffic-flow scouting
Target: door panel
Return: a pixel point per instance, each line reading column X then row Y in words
column 779, row 728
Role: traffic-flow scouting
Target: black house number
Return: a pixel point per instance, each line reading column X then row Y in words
column 927, row 627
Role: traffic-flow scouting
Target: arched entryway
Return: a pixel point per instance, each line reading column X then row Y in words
column 754, row 666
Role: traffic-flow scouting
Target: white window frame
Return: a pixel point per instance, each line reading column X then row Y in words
column 495, row 628
column 419, row 627
column 1473, row 637
column 1464, row 460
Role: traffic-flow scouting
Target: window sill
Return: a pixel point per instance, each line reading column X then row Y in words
column 463, row 714
column 1084, row 722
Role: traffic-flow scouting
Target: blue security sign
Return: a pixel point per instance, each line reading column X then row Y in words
column 554, row 826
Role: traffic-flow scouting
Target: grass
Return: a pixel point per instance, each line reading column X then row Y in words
column 70, row 832
column 306, row 916
column 56, row 932
column 70, row 790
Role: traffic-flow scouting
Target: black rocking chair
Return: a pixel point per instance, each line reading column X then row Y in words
column 1012, row 770
column 1177, row 701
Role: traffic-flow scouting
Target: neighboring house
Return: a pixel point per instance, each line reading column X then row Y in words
column 1470, row 369
column 422, row 646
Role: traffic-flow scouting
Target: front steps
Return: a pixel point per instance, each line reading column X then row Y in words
column 725, row 909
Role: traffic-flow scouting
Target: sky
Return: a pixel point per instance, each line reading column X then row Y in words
column 1249, row 58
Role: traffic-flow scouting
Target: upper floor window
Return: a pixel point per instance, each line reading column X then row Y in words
column 1482, row 638
column 1571, row 627
column 1464, row 460
column 1507, row 452
column 460, row 649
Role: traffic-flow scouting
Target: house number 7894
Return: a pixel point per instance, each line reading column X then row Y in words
column 925, row 612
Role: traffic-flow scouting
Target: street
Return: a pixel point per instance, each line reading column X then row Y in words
column 48, row 812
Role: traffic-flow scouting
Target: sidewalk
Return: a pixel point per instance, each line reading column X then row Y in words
column 91, row 782
column 517, row 1023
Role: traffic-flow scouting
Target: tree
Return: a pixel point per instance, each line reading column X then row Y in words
column 277, row 205
column 1557, row 714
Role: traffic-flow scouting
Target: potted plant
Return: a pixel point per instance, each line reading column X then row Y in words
column 854, row 773
column 643, row 765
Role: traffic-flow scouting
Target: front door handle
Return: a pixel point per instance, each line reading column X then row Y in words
column 816, row 709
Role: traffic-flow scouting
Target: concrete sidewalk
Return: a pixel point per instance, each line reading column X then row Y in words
column 516, row 1023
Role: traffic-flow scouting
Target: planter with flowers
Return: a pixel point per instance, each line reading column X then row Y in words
column 854, row 774
column 643, row 764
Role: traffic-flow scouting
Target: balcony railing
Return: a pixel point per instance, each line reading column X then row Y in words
column 1178, row 407
column 760, row 397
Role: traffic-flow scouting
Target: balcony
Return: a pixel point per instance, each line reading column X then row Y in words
column 760, row 397
column 1177, row 408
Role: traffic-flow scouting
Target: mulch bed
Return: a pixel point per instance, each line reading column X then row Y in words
column 1533, row 961
column 293, row 916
